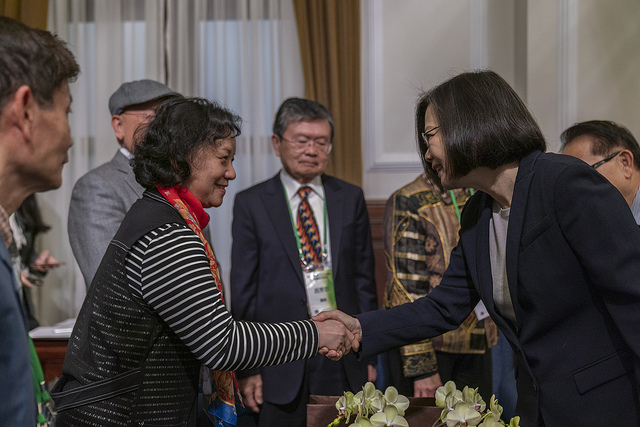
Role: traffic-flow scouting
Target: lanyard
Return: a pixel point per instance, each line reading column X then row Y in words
column 455, row 202
column 295, row 229
column 42, row 396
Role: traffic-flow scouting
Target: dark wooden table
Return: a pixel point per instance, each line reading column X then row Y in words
column 51, row 354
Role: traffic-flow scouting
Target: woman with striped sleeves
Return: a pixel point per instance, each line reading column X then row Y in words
column 154, row 312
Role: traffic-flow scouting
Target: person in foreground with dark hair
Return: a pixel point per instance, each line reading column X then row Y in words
column 610, row 149
column 154, row 312
column 35, row 70
column 546, row 243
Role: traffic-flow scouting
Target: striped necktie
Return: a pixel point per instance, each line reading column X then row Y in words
column 307, row 229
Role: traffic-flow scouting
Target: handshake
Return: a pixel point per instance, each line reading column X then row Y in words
column 337, row 333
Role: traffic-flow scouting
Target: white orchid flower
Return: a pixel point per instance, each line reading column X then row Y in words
column 393, row 398
column 388, row 417
column 463, row 414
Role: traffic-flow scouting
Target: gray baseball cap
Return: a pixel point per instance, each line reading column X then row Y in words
column 137, row 92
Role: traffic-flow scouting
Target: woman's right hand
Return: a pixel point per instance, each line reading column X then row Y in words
column 348, row 328
column 334, row 339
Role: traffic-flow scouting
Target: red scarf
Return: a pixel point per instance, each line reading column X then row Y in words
column 223, row 399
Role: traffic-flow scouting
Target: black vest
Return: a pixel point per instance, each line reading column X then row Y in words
column 124, row 366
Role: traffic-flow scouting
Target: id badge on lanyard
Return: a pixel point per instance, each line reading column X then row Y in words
column 318, row 282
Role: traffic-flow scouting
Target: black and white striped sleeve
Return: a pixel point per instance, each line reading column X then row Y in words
column 169, row 271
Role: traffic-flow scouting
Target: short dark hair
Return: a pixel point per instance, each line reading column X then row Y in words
column 483, row 123
column 167, row 145
column 607, row 136
column 35, row 58
column 298, row 109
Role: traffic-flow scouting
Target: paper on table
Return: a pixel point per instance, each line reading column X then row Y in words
column 60, row 330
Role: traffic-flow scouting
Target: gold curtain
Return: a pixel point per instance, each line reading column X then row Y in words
column 329, row 32
column 30, row 12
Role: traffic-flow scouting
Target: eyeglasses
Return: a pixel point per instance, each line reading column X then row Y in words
column 426, row 136
column 145, row 115
column 596, row 165
column 300, row 144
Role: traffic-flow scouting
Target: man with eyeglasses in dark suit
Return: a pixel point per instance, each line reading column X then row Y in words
column 272, row 268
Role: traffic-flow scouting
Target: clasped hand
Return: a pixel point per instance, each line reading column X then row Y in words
column 338, row 333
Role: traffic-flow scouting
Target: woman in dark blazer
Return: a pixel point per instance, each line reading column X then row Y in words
column 546, row 242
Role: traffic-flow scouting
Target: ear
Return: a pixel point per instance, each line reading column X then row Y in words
column 118, row 127
column 626, row 159
column 22, row 109
column 275, row 141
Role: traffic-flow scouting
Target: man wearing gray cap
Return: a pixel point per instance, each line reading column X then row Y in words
column 102, row 197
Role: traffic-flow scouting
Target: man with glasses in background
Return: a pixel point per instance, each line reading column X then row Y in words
column 610, row 149
column 102, row 197
column 301, row 244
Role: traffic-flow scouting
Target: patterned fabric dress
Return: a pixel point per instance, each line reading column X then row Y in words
column 420, row 230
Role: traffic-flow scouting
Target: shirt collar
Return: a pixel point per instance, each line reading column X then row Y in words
column 5, row 227
column 292, row 186
column 126, row 153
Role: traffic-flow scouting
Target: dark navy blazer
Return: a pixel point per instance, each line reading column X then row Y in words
column 266, row 278
column 17, row 398
column 573, row 267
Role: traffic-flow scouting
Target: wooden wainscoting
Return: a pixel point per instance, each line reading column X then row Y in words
column 376, row 213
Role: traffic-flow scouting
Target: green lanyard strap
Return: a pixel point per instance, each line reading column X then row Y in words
column 455, row 202
column 42, row 396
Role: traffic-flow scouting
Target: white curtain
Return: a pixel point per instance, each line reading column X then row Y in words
column 243, row 53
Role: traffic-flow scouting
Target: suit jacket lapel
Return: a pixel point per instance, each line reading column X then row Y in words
column 275, row 203
column 514, row 232
column 335, row 206
column 516, row 222
column 483, row 268
column 483, row 257
column 5, row 258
